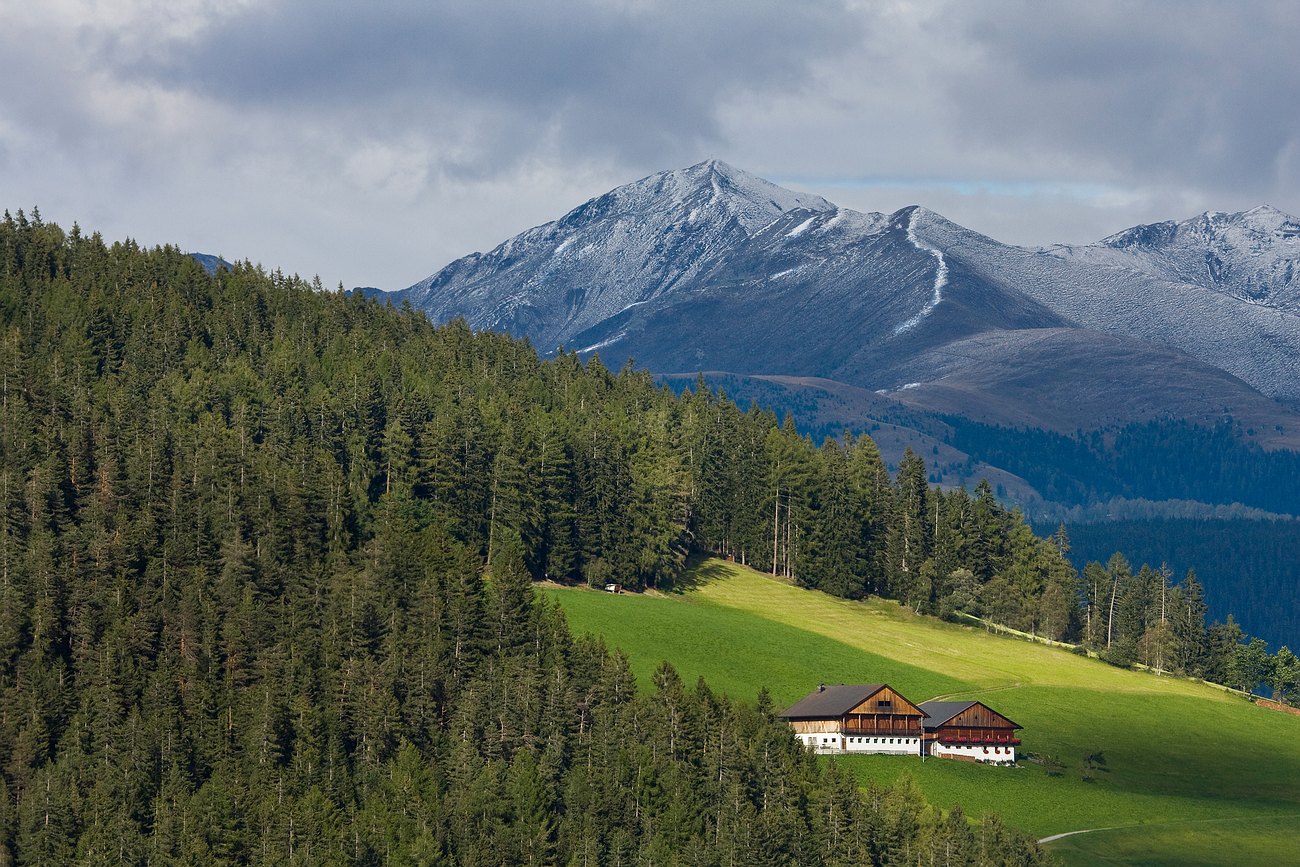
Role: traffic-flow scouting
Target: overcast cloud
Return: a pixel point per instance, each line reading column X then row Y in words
column 373, row 143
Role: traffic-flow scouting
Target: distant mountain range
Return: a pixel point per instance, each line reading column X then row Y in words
column 908, row 322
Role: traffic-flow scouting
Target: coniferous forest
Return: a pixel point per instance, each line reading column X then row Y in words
column 1248, row 567
column 266, row 556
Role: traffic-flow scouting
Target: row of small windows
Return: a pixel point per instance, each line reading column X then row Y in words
column 882, row 740
column 872, row 740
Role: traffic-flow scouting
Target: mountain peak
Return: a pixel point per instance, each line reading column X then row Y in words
column 1267, row 216
column 658, row 268
column 1215, row 228
column 1267, row 210
column 1260, row 216
column 714, row 185
column 715, row 166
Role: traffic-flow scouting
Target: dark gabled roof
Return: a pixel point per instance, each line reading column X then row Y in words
column 939, row 712
column 831, row 701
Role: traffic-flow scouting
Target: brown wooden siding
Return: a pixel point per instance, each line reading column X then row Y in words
column 887, row 701
column 815, row 726
column 981, row 716
column 871, row 724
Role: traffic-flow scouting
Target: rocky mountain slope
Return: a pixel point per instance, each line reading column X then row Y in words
column 710, row 268
column 1138, row 284
column 1251, row 256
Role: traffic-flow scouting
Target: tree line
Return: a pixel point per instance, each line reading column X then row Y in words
column 266, row 556
column 1247, row 567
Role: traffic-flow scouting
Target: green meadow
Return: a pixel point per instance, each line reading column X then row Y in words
column 1182, row 772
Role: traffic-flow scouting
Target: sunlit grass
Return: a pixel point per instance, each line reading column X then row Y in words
column 1176, row 751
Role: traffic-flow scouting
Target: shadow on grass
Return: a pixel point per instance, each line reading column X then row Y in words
column 701, row 568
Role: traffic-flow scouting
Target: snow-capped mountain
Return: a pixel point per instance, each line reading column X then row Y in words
column 628, row 247
column 711, row 268
column 1124, row 286
column 1251, row 256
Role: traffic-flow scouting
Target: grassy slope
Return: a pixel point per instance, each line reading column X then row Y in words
column 1199, row 768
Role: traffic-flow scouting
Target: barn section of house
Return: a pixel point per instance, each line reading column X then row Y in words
column 876, row 718
column 857, row 718
column 969, row 730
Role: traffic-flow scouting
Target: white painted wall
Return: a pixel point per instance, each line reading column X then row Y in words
column 978, row 752
column 890, row 746
column 834, row 742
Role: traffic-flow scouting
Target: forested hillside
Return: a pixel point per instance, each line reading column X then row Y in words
column 1171, row 492
column 1249, row 568
column 243, row 614
column 1161, row 461
column 244, row 529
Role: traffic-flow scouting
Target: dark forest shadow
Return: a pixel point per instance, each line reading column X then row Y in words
column 701, row 568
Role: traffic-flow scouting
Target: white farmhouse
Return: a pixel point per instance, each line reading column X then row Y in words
column 857, row 718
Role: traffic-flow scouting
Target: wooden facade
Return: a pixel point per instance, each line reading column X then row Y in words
column 886, row 712
column 858, row 718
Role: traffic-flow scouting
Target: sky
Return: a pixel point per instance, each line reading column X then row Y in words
column 373, row 143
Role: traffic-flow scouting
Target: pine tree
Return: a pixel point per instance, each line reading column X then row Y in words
column 1223, row 641
column 1094, row 588
column 837, row 564
column 1188, row 619
column 911, row 531
column 1285, row 678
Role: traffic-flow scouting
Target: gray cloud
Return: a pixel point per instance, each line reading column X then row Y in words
column 1200, row 93
column 372, row 143
column 638, row 81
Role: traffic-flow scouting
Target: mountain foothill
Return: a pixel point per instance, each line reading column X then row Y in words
column 267, row 557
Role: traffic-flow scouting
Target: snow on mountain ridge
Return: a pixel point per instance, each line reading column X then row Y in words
column 1151, row 282
column 940, row 275
column 1250, row 255
column 1260, row 222
column 628, row 246
column 638, row 269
